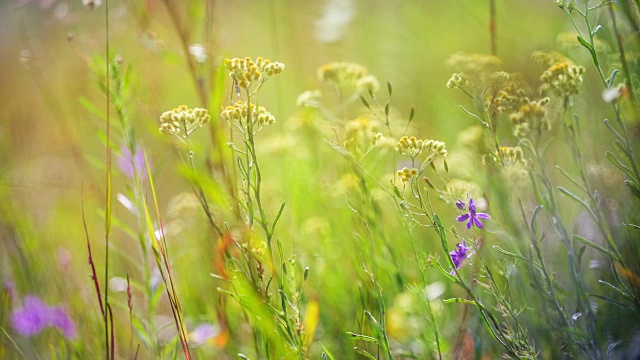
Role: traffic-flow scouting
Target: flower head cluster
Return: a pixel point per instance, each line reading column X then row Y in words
column 510, row 98
column 530, row 117
column 412, row 147
column 361, row 133
column 183, row 120
column 240, row 114
column 247, row 71
column 563, row 78
column 548, row 58
column 343, row 74
column 406, row 174
column 511, row 156
column 457, row 80
column 472, row 217
column 34, row 316
column 475, row 72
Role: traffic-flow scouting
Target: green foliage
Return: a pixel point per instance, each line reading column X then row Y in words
column 300, row 209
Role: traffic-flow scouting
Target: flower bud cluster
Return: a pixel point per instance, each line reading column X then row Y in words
column 530, row 117
column 247, row 71
column 475, row 73
column 511, row 156
column 183, row 119
column 361, row 133
column 344, row 74
column 239, row 113
column 563, row 78
column 548, row 58
column 510, row 98
column 412, row 147
column 457, row 80
column 406, row 174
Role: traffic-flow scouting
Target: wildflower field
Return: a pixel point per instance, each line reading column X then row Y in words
column 326, row 179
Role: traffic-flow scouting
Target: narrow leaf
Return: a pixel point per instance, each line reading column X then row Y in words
column 364, row 353
column 459, row 300
column 362, row 337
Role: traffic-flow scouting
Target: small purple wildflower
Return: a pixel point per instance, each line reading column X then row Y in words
column 59, row 317
column 461, row 204
column 204, row 333
column 31, row 318
column 131, row 164
column 473, row 217
column 460, row 254
column 35, row 315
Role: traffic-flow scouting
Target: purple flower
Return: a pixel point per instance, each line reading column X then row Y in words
column 131, row 164
column 461, row 204
column 460, row 254
column 473, row 217
column 59, row 317
column 204, row 333
column 34, row 316
column 31, row 318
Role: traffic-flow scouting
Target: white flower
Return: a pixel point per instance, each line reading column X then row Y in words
column 337, row 16
column 198, row 52
column 611, row 94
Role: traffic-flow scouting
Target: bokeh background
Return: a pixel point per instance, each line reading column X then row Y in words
column 52, row 147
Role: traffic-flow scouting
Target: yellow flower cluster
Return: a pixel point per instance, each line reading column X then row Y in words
column 183, row 119
column 345, row 74
column 548, row 58
column 511, row 155
column 239, row 112
column 360, row 132
column 475, row 73
column 247, row 71
column 510, row 98
column 412, row 147
column 406, row 174
column 457, row 80
column 563, row 78
column 530, row 116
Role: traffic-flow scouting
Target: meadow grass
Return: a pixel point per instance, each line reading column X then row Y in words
column 333, row 180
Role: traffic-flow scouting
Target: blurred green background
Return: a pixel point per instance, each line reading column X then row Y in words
column 52, row 148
